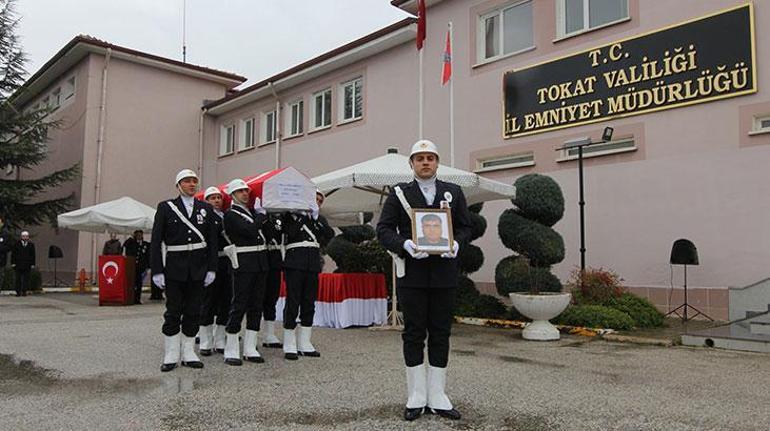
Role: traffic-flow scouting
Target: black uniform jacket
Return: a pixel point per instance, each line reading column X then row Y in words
column 273, row 230
column 244, row 233
column 23, row 257
column 305, row 258
column 223, row 263
column 139, row 250
column 395, row 227
column 168, row 228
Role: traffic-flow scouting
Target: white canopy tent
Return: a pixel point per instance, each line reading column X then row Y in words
column 363, row 187
column 123, row 215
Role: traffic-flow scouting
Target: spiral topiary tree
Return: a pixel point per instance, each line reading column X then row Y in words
column 469, row 301
column 527, row 230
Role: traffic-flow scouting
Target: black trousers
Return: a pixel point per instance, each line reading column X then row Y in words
column 427, row 311
column 272, row 291
column 301, row 293
column 183, row 307
column 138, row 282
column 216, row 300
column 248, row 294
column 22, row 281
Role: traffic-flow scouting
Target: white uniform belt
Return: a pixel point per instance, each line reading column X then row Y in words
column 251, row 248
column 186, row 247
column 310, row 244
column 221, row 254
column 273, row 247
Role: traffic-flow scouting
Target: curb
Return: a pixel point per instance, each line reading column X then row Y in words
column 663, row 342
column 509, row 324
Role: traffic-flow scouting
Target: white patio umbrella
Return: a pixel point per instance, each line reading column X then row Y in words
column 123, row 215
column 363, row 187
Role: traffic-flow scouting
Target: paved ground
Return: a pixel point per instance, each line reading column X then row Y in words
column 67, row 364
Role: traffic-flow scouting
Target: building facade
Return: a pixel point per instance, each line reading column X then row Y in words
column 529, row 76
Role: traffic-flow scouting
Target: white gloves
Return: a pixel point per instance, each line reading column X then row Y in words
column 258, row 206
column 210, row 277
column 314, row 210
column 411, row 248
column 159, row 280
column 452, row 254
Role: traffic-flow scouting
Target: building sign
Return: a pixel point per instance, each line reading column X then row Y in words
column 705, row 59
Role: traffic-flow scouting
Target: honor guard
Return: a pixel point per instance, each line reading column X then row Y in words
column 248, row 255
column 216, row 298
column 305, row 233
column 426, row 288
column 183, row 256
column 274, row 234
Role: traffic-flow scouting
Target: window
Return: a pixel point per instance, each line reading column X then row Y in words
column 296, row 118
column 247, row 134
column 56, row 98
column 576, row 16
column 762, row 124
column 506, row 162
column 322, row 109
column 351, row 103
column 270, row 127
column 505, row 31
column 69, row 88
column 226, row 138
column 612, row 147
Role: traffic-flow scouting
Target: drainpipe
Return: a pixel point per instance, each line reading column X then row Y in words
column 278, row 128
column 100, row 150
column 200, row 143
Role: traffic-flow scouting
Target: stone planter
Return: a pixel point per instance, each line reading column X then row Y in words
column 541, row 308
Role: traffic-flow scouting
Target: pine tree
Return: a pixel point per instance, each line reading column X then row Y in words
column 23, row 138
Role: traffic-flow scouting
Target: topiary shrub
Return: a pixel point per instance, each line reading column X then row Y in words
column 478, row 226
column 641, row 311
column 471, row 258
column 9, row 280
column 345, row 254
column 595, row 316
column 476, row 208
column 527, row 231
column 358, row 234
column 489, row 306
column 595, row 286
column 466, row 296
column 513, row 274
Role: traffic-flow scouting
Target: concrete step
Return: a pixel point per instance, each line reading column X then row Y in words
column 759, row 327
column 732, row 336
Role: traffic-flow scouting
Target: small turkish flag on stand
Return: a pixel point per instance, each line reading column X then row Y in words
column 446, row 73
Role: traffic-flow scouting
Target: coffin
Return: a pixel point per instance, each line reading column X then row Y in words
column 285, row 189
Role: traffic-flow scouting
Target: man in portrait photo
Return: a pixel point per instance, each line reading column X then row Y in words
column 431, row 231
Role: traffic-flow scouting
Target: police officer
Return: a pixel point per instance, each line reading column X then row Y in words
column 306, row 232
column 216, row 298
column 274, row 234
column 136, row 247
column 185, row 227
column 243, row 226
column 427, row 289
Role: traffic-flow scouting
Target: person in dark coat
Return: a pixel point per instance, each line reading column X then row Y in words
column 274, row 234
column 135, row 246
column 23, row 262
column 5, row 248
column 112, row 247
column 306, row 233
column 215, row 309
column 427, row 283
column 243, row 226
column 188, row 264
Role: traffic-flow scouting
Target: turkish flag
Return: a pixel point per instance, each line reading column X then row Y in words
column 446, row 73
column 421, row 26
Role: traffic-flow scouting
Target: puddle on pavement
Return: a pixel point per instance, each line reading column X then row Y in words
column 519, row 360
column 459, row 352
column 24, row 377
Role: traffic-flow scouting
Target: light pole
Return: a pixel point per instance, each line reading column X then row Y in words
column 579, row 144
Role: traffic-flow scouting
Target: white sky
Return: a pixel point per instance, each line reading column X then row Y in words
column 254, row 38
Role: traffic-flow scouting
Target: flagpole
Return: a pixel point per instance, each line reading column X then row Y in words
column 420, row 92
column 451, row 106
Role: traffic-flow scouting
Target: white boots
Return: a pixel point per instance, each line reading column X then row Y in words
column 232, row 350
column 304, row 346
column 189, row 358
column 268, row 335
column 206, row 334
column 416, row 386
column 437, row 399
column 250, row 352
column 289, row 344
column 171, row 357
column 219, row 338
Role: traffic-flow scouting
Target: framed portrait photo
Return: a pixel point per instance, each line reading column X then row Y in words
column 432, row 230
